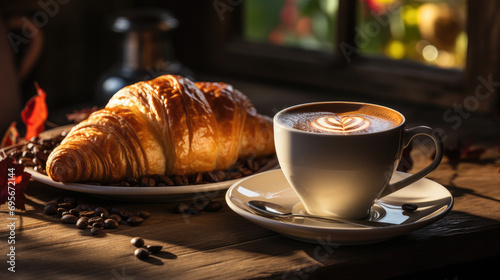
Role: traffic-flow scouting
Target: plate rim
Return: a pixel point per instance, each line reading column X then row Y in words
column 121, row 190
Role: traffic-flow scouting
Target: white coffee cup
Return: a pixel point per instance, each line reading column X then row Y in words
column 340, row 156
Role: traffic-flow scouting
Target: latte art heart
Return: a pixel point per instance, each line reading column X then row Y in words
column 340, row 124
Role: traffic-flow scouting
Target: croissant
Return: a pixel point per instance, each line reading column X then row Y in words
column 168, row 125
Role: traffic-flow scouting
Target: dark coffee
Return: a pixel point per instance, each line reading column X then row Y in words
column 340, row 118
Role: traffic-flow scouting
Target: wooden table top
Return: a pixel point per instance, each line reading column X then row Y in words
column 223, row 245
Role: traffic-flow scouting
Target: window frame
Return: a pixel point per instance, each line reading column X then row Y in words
column 227, row 53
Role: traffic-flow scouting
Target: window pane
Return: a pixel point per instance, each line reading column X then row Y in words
column 308, row 24
column 430, row 32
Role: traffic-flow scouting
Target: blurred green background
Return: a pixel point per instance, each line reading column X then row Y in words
column 428, row 32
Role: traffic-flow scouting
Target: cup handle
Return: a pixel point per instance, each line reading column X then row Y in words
column 409, row 135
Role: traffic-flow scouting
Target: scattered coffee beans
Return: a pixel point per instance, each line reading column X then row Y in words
column 89, row 214
column 110, row 224
column 95, row 231
column 97, row 217
column 141, row 253
column 94, row 220
column 153, row 249
column 69, row 219
column 135, row 221
column 137, row 242
column 143, row 214
column 101, row 210
column 82, row 223
column 50, row 209
column 116, row 217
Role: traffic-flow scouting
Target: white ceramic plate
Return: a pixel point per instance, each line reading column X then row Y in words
column 434, row 202
column 140, row 194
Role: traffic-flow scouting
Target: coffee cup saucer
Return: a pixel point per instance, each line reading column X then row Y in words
column 434, row 201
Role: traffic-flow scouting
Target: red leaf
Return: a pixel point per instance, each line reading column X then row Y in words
column 35, row 113
column 11, row 137
column 13, row 183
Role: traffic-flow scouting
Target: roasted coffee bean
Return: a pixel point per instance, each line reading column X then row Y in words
column 144, row 182
column 40, row 155
column 50, row 209
column 141, row 253
column 31, row 145
column 198, row 178
column 116, row 217
column 409, row 207
column 151, row 182
column 132, row 181
column 27, row 154
column 213, row 206
column 211, row 177
column 101, row 210
column 26, row 162
column 67, row 205
column 153, row 249
column 125, row 184
column 82, row 223
column 143, row 214
column 180, row 180
column 262, row 161
column 65, row 213
column 95, row 219
column 53, row 202
column 221, row 175
column 234, row 175
column 98, row 224
column 39, row 169
column 60, row 211
column 34, row 138
column 110, row 224
column 104, row 216
column 148, row 182
column 69, row 219
column 89, row 214
column 246, row 171
column 125, row 214
column 251, row 164
column 36, row 161
column 95, row 231
column 137, row 242
column 134, row 221
column 166, row 180
column 15, row 154
column 75, row 211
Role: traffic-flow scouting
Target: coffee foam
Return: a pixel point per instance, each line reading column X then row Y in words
column 341, row 118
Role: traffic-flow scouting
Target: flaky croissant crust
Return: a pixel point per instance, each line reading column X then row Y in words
column 168, row 125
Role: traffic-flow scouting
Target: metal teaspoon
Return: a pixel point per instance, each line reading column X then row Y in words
column 275, row 210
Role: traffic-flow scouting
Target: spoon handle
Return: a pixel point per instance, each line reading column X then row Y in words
column 364, row 223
